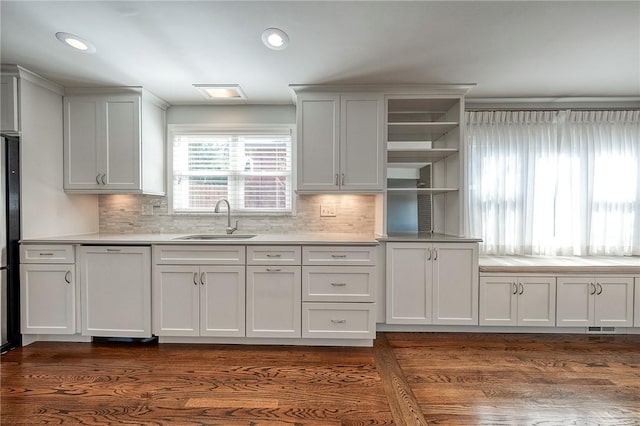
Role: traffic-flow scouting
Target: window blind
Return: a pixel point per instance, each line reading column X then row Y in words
column 252, row 171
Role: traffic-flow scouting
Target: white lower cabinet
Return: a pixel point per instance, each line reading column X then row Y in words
column 432, row 283
column 338, row 292
column 636, row 315
column 273, row 301
column 199, row 301
column 199, row 290
column 48, row 299
column 48, row 293
column 338, row 320
column 595, row 301
column 518, row 301
column 116, row 291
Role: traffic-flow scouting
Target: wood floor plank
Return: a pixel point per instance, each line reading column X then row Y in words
column 406, row 378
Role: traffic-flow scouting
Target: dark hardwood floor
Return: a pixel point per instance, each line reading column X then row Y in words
column 407, row 378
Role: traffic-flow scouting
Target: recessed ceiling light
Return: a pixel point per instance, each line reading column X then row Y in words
column 275, row 38
column 221, row 91
column 76, row 42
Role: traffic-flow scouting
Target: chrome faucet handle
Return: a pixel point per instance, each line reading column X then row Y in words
column 231, row 230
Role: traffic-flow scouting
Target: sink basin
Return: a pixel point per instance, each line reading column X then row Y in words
column 216, row 237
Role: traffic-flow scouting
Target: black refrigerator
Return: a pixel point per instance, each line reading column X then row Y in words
column 9, row 237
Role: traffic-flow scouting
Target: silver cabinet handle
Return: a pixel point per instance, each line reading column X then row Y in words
column 45, row 254
column 428, row 254
column 435, row 254
column 593, row 286
column 342, row 179
column 67, row 277
column 339, row 256
column 98, row 178
column 195, row 277
column 338, row 321
column 515, row 288
column 338, row 284
column 203, row 278
column 599, row 289
column 336, row 179
column 274, row 255
column 273, row 269
column 114, row 250
column 521, row 288
column 102, row 179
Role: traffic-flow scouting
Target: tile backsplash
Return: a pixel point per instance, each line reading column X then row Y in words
column 149, row 214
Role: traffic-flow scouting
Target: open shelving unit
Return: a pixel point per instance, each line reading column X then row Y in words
column 424, row 171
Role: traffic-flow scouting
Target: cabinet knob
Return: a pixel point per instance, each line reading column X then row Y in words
column 104, row 182
column 515, row 288
column 67, row 277
column 203, row 278
column 338, row 284
column 435, row 254
column 195, row 278
column 521, row 288
column 338, row 321
column 98, row 178
column 274, row 255
column 428, row 254
column 273, row 269
column 342, row 179
column 599, row 289
column 593, row 287
column 339, row 256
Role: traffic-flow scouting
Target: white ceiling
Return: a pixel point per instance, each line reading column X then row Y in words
column 508, row 48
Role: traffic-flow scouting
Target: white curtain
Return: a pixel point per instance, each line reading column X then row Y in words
column 554, row 183
column 598, row 194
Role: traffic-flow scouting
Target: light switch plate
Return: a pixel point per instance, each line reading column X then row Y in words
column 328, row 211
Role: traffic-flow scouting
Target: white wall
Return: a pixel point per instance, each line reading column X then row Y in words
column 46, row 209
column 236, row 114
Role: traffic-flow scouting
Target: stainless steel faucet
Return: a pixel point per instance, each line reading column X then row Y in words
column 230, row 229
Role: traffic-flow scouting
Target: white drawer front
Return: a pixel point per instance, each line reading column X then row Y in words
column 274, row 255
column 339, row 320
column 339, row 255
column 338, row 283
column 198, row 255
column 50, row 253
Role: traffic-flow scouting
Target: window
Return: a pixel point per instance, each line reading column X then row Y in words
column 252, row 169
column 554, row 182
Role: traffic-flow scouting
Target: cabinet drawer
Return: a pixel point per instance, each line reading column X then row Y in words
column 49, row 253
column 274, row 255
column 338, row 284
column 339, row 255
column 339, row 320
column 198, row 255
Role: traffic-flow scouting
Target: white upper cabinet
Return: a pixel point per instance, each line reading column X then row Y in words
column 340, row 142
column 9, row 107
column 114, row 142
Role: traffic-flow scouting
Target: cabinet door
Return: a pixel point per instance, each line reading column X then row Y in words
column 176, row 295
column 575, row 301
column 116, row 291
column 273, row 301
column 498, row 300
column 636, row 309
column 614, row 302
column 48, row 299
column 9, row 109
column 82, row 168
column 537, row 301
column 361, row 142
column 222, row 301
column 409, row 272
column 455, row 283
column 121, row 144
column 318, row 139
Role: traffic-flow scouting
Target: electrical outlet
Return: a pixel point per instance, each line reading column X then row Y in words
column 328, row 211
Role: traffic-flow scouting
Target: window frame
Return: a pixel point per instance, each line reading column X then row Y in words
column 208, row 129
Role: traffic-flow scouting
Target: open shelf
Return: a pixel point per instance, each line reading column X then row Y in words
column 423, row 190
column 427, row 130
column 403, row 155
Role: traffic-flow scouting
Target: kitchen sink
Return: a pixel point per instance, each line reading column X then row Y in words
column 217, row 237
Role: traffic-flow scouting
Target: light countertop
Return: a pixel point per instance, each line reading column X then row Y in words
column 259, row 239
column 560, row 264
column 426, row 237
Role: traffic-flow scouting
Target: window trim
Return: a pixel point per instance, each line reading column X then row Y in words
column 225, row 128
